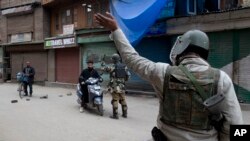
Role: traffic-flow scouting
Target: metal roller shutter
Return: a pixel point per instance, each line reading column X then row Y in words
column 97, row 51
column 38, row 61
column 242, row 61
column 67, row 65
column 230, row 52
column 20, row 24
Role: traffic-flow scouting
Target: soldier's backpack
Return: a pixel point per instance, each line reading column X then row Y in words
column 120, row 70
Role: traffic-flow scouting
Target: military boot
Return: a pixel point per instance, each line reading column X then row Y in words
column 124, row 111
column 115, row 114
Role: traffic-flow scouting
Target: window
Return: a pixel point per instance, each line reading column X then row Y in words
column 90, row 8
column 62, row 17
column 89, row 15
column 75, row 17
column 21, row 37
column 57, row 21
column 191, row 7
column 67, row 17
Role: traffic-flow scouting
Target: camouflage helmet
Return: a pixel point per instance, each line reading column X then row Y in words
column 192, row 37
column 116, row 57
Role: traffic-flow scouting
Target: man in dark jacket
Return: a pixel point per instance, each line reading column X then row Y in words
column 85, row 75
column 29, row 73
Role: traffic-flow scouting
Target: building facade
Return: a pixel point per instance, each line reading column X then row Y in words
column 74, row 37
column 23, row 26
column 228, row 28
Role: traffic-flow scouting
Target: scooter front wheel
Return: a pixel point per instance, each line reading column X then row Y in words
column 100, row 109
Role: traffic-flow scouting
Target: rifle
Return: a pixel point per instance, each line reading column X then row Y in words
column 214, row 106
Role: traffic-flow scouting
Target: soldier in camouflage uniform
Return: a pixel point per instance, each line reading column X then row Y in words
column 118, row 75
column 183, row 87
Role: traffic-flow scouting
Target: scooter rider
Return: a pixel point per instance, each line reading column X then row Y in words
column 86, row 74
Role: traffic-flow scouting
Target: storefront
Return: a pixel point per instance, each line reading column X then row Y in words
column 1, row 64
column 97, row 46
column 229, row 51
column 66, row 58
column 17, row 55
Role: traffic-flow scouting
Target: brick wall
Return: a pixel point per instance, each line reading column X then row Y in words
column 3, row 30
column 46, row 23
column 36, row 23
column 12, row 3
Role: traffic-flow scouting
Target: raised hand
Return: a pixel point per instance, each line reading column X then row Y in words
column 107, row 21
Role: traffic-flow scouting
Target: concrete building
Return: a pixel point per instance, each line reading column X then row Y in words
column 75, row 38
column 229, row 31
column 23, row 26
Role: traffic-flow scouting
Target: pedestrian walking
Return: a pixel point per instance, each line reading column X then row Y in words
column 29, row 74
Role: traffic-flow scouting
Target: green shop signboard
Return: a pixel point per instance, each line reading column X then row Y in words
column 60, row 42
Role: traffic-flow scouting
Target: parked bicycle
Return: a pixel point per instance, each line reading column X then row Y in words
column 21, row 78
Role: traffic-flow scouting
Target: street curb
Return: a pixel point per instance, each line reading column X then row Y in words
column 245, row 107
column 141, row 93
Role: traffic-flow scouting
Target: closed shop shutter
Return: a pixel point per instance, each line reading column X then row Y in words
column 1, row 64
column 38, row 60
column 20, row 24
column 154, row 49
column 67, row 65
column 242, row 58
column 96, row 52
column 230, row 52
column 221, row 48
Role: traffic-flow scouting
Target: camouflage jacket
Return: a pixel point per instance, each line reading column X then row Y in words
column 116, row 84
column 155, row 72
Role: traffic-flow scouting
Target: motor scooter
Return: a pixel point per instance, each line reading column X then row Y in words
column 95, row 94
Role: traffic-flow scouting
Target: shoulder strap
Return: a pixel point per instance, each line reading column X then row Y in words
column 194, row 81
column 216, row 80
column 166, row 80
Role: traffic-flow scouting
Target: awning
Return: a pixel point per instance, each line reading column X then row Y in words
column 136, row 16
column 93, row 39
column 17, row 10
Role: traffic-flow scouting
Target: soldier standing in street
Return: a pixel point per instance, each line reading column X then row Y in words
column 183, row 88
column 118, row 75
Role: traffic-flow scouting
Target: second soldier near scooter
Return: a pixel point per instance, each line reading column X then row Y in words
column 118, row 75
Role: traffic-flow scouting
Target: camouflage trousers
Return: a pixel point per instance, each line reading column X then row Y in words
column 119, row 97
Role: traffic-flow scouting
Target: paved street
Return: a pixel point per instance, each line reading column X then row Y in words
column 58, row 118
